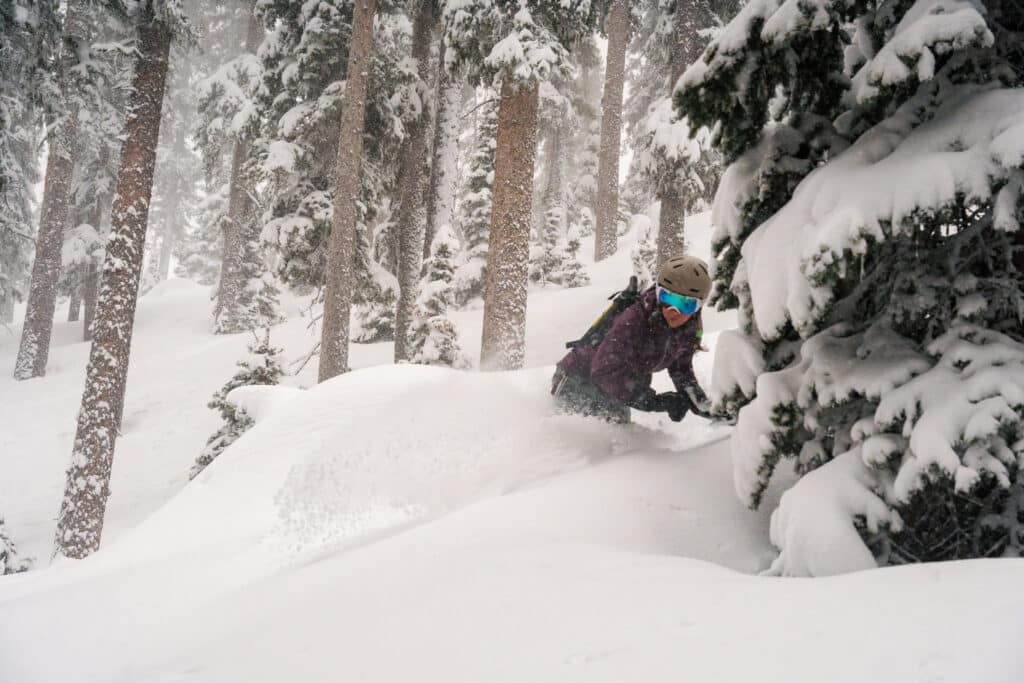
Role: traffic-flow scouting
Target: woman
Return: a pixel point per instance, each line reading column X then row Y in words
column 661, row 331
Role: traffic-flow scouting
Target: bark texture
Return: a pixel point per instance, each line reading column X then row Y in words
column 80, row 524
column 504, row 327
column 553, row 189
column 240, row 209
column 74, row 304
column 334, row 340
column 671, row 224
column 34, row 350
column 605, row 234
column 89, row 291
column 413, row 184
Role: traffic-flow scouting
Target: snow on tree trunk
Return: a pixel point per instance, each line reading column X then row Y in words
column 80, row 524
column 448, row 98
column 504, row 327
column 231, row 225
column 413, row 183
column 60, row 165
column 617, row 27
column 685, row 49
column 42, row 294
column 89, row 287
column 341, row 248
column 239, row 209
column 553, row 190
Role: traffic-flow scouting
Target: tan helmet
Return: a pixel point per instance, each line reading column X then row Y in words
column 686, row 275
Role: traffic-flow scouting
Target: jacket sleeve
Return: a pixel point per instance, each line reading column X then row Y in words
column 681, row 369
column 614, row 367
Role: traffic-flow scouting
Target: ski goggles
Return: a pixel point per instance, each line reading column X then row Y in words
column 686, row 305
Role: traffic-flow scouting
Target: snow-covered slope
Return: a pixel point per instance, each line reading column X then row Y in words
column 409, row 523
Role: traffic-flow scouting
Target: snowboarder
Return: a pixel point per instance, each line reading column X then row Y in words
column 660, row 331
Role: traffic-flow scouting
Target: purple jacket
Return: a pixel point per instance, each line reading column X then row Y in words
column 638, row 344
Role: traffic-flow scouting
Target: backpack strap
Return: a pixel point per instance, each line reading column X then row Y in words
column 620, row 301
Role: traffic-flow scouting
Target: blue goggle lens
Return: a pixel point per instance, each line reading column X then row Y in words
column 686, row 305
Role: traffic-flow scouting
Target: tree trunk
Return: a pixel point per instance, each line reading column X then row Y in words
column 347, row 175
column 170, row 237
column 553, row 189
column 7, row 310
column 229, row 288
column 508, row 255
column 671, row 236
column 413, row 183
column 34, row 350
column 448, row 97
column 89, row 287
column 80, row 524
column 75, row 303
column 606, row 233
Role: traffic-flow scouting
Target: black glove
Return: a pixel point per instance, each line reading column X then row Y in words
column 699, row 403
column 676, row 405
column 646, row 399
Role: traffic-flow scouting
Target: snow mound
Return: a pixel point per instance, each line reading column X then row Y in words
column 322, row 468
column 813, row 527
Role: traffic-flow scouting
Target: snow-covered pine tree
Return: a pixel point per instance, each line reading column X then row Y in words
column 868, row 230
column 644, row 254
column 450, row 95
column 262, row 366
column 341, row 249
column 554, row 256
column 667, row 165
column 434, row 338
column 514, row 47
column 304, row 61
column 96, row 162
column 229, row 112
column 28, row 32
column 474, row 215
column 70, row 81
column 223, row 30
column 81, row 255
column 80, row 523
column 414, row 175
column 10, row 563
column 572, row 273
column 547, row 256
column 179, row 166
column 556, row 119
column 199, row 250
column 584, row 148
